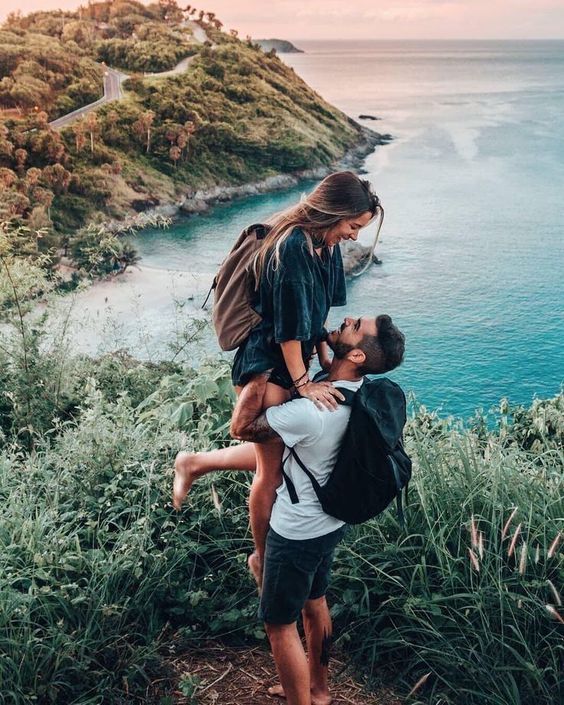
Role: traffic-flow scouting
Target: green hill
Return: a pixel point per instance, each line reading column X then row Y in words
column 234, row 115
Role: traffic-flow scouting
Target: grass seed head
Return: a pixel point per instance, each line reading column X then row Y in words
column 513, row 541
column 507, row 523
column 216, row 500
column 554, row 546
column 419, row 683
column 474, row 560
column 555, row 592
column 473, row 532
column 554, row 613
column 523, row 559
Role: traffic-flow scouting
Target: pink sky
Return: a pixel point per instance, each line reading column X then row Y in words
column 370, row 19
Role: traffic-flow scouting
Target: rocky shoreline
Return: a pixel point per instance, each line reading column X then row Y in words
column 201, row 200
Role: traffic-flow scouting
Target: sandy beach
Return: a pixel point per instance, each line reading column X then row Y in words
column 144, row 310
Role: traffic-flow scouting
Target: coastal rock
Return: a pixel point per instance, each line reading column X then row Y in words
column 143, row 204
column 368, row 117
column 355, row 257
column 280, row 46
column 193, row 205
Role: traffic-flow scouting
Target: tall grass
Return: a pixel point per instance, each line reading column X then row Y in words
column 96, row 569
column 99, row 577
column 468, row 597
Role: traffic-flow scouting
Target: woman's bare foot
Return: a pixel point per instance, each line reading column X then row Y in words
column 255, row 566
column 185, row 472
column 277, row 691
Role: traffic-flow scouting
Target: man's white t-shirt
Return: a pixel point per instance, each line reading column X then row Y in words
column 316, row 435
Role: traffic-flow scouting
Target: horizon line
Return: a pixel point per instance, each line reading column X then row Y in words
column 415, row 39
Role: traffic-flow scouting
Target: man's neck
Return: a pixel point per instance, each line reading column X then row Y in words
column 343, row 370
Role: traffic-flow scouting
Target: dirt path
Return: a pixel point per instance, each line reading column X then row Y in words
column 241, row 676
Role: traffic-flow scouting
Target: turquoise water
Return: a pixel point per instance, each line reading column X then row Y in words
column 473, row 188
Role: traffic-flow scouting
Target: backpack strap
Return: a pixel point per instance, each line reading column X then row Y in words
column 316, row 486
column 348, row 394
column 212, row 287
column 347, row 401
column 289, row 484
column 401, row 517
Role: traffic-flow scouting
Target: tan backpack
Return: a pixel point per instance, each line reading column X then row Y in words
column 234, row 290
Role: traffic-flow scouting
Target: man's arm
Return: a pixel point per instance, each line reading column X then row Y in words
column 249, row 422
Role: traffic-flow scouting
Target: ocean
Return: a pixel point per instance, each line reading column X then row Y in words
column 473, row 190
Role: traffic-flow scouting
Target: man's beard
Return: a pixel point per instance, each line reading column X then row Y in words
column 339, row 349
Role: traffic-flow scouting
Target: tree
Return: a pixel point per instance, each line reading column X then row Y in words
column 92, row 126
column 21, row 157
column 57, row 177
column 175, row 154
column 79, row 131
column 7, row 177
column 6, row 147
column 33, row 177
column 142, row 127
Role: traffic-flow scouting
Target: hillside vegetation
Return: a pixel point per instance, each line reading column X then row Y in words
column 101, row 581
column 234, row 115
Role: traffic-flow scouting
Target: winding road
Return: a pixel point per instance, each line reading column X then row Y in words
column 114, row 78
column 112, row 91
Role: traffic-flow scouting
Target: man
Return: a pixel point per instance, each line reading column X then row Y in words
column 302, row 538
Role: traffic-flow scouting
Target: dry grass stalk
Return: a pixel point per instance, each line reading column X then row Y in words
column 554, row 545
column 473, row 532
column 523, row 559
column 481, row 545
column 513, row 541
column 555, row 592
column 419, row 683
column 507, row 523
column 474, row 560
column 216, row 500
column 554, row 613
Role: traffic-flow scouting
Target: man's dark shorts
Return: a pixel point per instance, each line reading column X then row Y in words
column 295, row 571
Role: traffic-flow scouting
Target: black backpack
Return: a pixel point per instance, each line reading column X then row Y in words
column 372, row 467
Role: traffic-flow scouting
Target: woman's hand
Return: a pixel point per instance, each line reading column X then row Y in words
column 322, row 394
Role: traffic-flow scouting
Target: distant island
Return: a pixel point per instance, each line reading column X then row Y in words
column 280, row 46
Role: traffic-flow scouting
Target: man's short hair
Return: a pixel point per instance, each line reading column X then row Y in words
column 384, row 351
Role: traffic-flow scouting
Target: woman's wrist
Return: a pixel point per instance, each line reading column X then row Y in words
column 301, row 385
column 300, row 378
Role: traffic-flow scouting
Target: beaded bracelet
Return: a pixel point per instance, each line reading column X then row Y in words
column 303, row 384
column 301, row 377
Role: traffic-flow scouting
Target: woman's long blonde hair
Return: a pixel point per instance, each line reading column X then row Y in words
column 340, row 195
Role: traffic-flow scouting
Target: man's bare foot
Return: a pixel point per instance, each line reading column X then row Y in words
column 255, row 566
column 277, row 691
column 185, row 472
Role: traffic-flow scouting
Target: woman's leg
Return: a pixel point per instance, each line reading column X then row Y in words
column 267, row 479
column 190, row 466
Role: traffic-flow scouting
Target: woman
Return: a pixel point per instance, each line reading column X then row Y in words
column 300, row 275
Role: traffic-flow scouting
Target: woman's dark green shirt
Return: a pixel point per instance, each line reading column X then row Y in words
column 293, row 299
